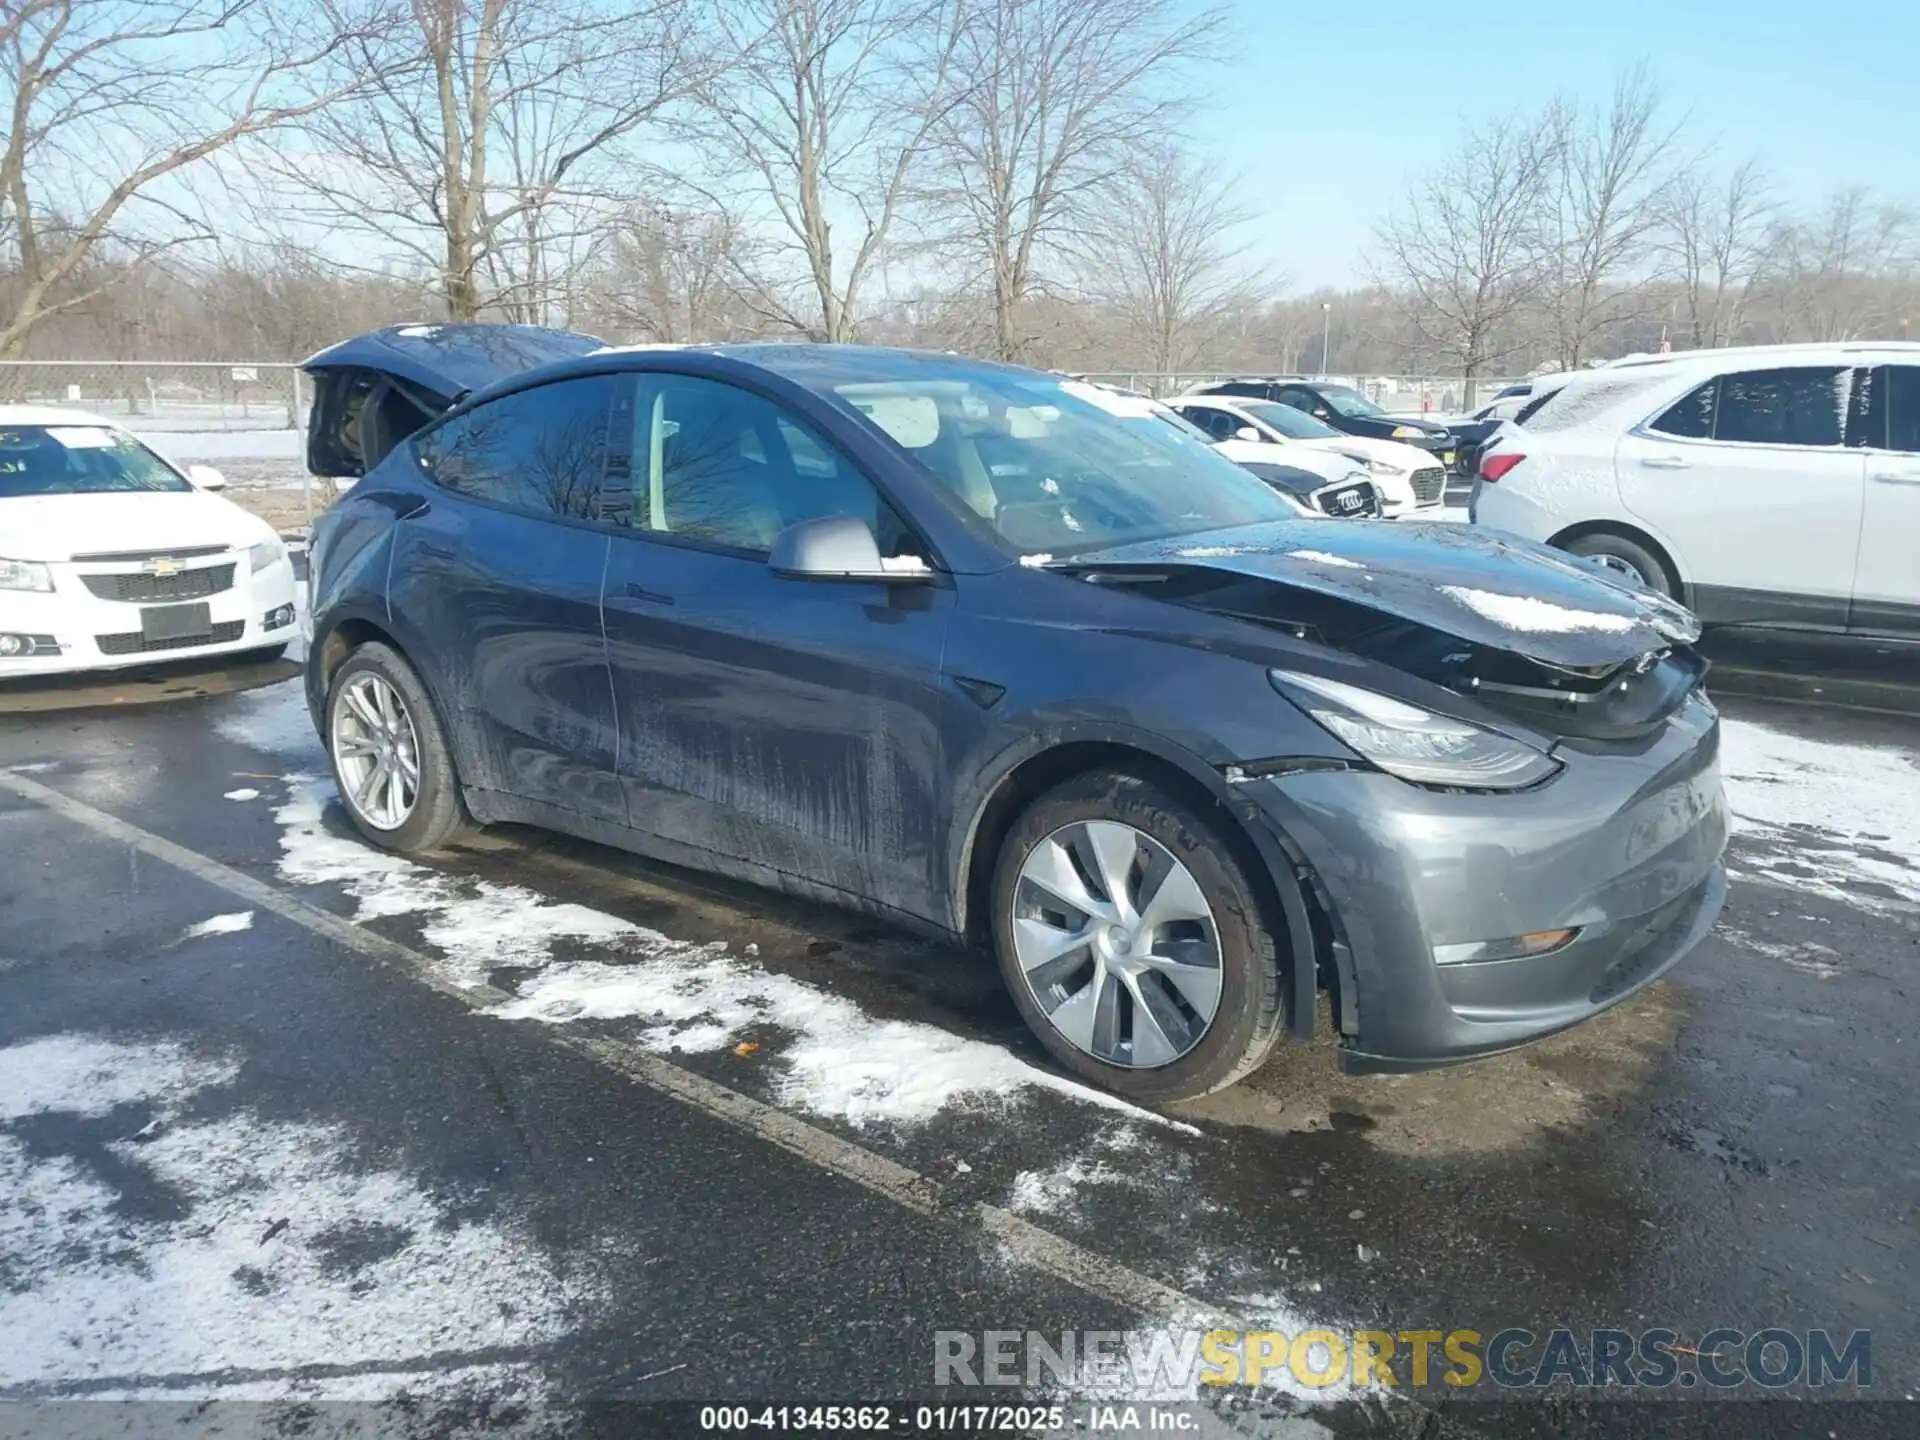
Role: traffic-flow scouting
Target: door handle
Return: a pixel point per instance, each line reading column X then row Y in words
column 651, row 597
column 1665, row 462
column 1897, row 477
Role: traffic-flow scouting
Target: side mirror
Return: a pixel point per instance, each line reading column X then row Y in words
column 205, row 477
column 1247, row 432
column 839, row 547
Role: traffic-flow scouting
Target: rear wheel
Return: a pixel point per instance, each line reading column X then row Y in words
column 1625, row 557
column 1134, row 942
column 390, row 757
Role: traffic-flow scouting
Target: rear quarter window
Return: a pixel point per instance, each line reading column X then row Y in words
column 1803, row 406
column 1575, row 404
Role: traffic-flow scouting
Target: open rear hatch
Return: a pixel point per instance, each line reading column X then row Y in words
column 1553, row 640
column 373, row 391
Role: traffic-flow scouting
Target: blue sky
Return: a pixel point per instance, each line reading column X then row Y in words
column 1328, row 105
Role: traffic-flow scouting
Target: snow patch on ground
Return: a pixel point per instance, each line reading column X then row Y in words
column 220, row 925
column 277, row 1250
column 242, row 795
column 273, row 720
column 692, row 998
column 1530, row 616
column 1809, row 958
column 1061, row 1189
column 37, row 767
column 1840, row 821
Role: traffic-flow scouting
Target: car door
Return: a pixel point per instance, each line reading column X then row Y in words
column 496, row 585
column 1748, row 479
column 790, row 725
column 1886, row 587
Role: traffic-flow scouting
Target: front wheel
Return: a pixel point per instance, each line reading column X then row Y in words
column 1133, row 940
column 390, row 757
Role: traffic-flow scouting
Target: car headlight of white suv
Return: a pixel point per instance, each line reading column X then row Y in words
column 25, row 575
column 265, row 555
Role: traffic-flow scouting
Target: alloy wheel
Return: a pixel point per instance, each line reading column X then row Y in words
column 1624, row 567
column 376, row 751
column 1117, row 944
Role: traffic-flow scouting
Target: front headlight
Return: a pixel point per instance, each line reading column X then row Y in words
column 1412, row 743
column 265, row 555
column 25, row 575
column 1408, row 432
column 1387, row 467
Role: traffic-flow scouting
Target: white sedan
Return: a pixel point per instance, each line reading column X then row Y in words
column 1410, row 480
column 110, row 556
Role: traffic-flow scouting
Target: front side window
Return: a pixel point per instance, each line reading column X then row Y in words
column 1902, row 407
column 80, row 460
column 1220, row 424
column 1055, row 466
column 1348, row 401
column 1805, row 405
column 1292, row 423
column 541, row 451
column 721, row 466
column 1302, row 400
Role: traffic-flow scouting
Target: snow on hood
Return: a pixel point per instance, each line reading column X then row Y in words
column 1493, row 590
column 58, row 527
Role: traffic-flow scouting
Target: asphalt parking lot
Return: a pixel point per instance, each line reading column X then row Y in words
column 284, row 1119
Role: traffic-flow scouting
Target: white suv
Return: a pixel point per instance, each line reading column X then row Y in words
column 1778, row 485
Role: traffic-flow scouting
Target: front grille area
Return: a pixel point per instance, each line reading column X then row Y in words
column 140, row 587
column 1429, row 484
column 137, row 644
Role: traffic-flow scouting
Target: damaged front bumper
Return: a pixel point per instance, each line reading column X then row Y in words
column 1623, row 848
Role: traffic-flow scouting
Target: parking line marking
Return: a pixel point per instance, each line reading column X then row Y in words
column 1052, row 1254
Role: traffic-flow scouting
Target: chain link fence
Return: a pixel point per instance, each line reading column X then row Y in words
column 165, row 396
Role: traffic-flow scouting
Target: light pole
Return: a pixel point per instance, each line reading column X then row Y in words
column 1326, row 333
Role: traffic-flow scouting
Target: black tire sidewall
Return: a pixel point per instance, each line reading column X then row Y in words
column 1248, row 1020
column 438, row 811
column 1633, row 552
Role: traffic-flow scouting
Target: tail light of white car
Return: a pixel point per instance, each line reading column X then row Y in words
column 1497, row 464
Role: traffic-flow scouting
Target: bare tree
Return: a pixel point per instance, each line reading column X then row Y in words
column 822, row 118
column 1830, row 271
column 1158, row 248
column 1059, row 92
column 107, row 99
column 1470, row 245
column 1611, row 174
column 486, row 118
column 670, row 275
column 1713, row 232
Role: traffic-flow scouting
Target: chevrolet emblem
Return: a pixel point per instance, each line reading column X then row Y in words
column 163, row 566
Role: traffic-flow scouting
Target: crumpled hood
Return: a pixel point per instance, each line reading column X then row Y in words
column 1489, row 589
column 58, row 527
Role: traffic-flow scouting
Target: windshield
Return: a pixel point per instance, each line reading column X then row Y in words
column 1349, row 401
column 1054, row 467
column 1292, row 423
column 79, row 460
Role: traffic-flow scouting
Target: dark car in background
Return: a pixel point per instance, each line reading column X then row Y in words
column 951, row 643
column 1342, row 407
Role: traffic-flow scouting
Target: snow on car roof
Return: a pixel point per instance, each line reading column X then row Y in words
column 54, row 415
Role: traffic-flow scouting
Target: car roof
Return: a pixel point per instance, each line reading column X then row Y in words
column 53, row 415
column 1807, row 353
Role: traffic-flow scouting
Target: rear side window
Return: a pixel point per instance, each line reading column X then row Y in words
column 541, row 451
column 1533, row 407
column 1806, row 405
column 1241, row 387
column 1691, row 418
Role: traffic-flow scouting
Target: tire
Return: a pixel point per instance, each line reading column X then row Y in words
column 437, row 816
column 1249, row 1015
column 1624, row 554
